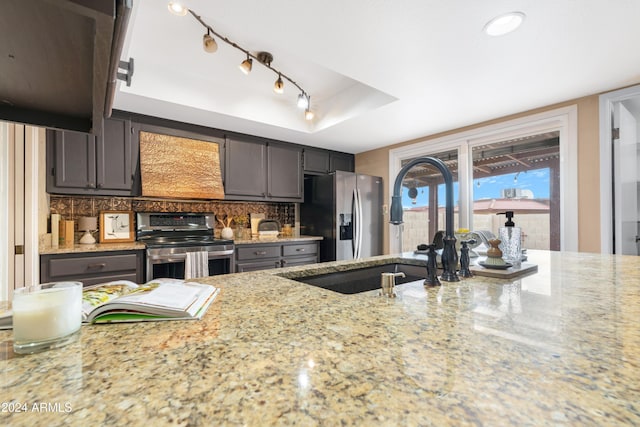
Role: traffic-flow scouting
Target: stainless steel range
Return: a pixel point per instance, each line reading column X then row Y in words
column 169, row 236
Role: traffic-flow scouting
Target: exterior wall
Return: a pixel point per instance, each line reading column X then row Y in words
column 376, row 162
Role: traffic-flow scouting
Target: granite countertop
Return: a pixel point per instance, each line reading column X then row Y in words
column 130, row 246
column 560, row 347
column 98, row 247
column 256, row 240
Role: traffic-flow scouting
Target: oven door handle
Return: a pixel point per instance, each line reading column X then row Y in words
column 183, row 256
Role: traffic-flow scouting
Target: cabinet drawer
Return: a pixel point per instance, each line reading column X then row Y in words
column 302, row 249
column 258, row 252
column 90, row 265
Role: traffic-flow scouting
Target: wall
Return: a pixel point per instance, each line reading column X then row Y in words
column 376, row 162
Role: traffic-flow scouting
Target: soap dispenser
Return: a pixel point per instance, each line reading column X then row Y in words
column 511, row 238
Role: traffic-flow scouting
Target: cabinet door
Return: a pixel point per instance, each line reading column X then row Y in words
column 284, row 172
column 316, row 161
column 341, row 162
column 74, row 160
column 113, row 157
column 245, row 169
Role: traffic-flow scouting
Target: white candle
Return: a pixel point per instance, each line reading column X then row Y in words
column 46, row 313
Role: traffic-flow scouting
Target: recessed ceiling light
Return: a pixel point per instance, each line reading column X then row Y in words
column 504, row 24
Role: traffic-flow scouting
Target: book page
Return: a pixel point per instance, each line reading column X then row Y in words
column 177, row 296
column 95, row 296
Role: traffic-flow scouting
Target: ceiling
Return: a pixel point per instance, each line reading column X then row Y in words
column 379, row 72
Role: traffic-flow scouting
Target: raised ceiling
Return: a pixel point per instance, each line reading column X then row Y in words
column 379, row 72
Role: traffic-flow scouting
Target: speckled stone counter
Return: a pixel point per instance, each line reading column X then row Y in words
column 561, row 347
column 98, row 247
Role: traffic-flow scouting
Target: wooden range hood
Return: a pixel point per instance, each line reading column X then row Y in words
column 59, row 61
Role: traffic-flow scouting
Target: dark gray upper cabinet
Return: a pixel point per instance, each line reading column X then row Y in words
column 316, row 161
column 341, row 162
column 245, row 171
column 284, row 172
column 114, row 157
column 71, row 162
column 257, row 170
column 324, row 161
column 84, row 164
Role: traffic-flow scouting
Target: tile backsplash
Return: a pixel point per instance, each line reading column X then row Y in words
column 73, row 207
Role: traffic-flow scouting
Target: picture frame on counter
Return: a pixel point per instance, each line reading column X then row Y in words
column 116, row 227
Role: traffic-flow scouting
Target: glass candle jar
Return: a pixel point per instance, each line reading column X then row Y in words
column 46, row 316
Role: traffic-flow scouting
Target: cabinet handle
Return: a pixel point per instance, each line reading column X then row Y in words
column 91, row 185
column 260, row 252
column 300, row 250
column 95, row 266
column 99, row 185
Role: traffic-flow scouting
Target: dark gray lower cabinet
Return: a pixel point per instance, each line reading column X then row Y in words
column 264, row 256
column 93, row 267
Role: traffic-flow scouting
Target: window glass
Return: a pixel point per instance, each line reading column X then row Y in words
column 423, row 200
column 523, row 176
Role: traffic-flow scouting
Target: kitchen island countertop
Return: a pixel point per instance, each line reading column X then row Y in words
column 560, row 347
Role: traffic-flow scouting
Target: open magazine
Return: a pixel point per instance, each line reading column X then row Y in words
column 158, row 299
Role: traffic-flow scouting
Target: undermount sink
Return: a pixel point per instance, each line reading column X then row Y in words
column 364, row 279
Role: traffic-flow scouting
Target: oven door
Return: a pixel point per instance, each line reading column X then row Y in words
column 172, row 265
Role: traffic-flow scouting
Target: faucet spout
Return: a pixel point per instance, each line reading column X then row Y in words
column 449, row 256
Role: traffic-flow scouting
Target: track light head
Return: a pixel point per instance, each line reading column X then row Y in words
column 177, row 8
column 303, row 101
column 278, row 86
column 208, row 43
column 308, row 114
column 245, row 67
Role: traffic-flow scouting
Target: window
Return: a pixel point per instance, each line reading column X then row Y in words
column 528, row 165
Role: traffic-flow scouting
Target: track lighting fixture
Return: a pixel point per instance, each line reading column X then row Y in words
column 209, row 44
column 245, row 67
column 278, row 86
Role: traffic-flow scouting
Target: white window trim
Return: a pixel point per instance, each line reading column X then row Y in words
column 4, row 212
column 563, row 120
column 606, row 173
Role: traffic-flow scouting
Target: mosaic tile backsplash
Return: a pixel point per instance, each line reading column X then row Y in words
column 73, row 207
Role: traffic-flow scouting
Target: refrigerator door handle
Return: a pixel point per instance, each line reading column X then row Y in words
column 358, row 224
column 354, row 216
column 361, row 224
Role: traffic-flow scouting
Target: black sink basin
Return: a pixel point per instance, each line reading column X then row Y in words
column 364, row 279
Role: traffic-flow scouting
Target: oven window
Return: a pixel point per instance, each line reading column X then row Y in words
column 175, row 270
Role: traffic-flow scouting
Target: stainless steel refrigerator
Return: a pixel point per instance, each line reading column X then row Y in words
column 346, row 209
